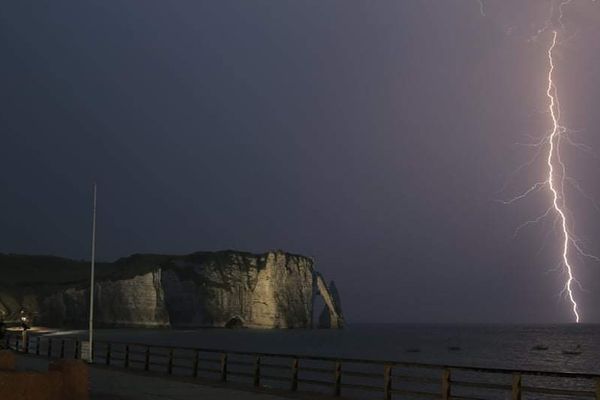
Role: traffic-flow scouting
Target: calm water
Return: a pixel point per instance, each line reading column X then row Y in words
column 502, row 346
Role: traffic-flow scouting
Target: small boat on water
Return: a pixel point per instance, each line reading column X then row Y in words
column 413, row 350
column 574, row 352
column 454, row 348
column 540, row 347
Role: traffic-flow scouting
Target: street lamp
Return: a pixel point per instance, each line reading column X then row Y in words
column 87, row 347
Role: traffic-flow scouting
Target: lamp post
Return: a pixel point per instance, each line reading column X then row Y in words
column 91, row 322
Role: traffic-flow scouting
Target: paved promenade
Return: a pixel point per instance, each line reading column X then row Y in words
column 113, row 384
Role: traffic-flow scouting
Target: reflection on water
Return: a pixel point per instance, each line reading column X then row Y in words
column 542, row 347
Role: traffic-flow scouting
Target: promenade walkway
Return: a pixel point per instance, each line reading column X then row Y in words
column 113, row 384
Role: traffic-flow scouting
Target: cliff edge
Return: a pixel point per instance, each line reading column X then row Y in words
column 203, row 289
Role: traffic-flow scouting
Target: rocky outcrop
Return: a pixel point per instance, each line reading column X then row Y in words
column 331, row 316
column 233, row 289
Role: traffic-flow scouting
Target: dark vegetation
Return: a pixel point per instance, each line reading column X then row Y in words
column 26, row 270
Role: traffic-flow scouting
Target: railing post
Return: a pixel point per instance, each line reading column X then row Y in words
column 26, row 343
column 170, row 366
column 224, row 367
column 516, row 387
column 195, row 369
column 337, row 379
column 62, row 348
column 76, row 350
column 17, row 344
column 126, row 356
column 37, row 346
column 49, row 347
column 387, row 382
column 257, row 371
column 446, row 388
column 108, row 354
column 295, row 365
column 147, row 359
column 597, row 388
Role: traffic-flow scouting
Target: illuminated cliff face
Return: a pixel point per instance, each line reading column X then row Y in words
column 272, row 290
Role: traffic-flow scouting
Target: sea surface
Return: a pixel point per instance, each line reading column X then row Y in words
column 572, row 348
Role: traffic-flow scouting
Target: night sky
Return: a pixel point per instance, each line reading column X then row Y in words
column 374, row 136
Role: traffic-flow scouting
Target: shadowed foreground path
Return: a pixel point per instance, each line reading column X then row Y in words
column 113, row 384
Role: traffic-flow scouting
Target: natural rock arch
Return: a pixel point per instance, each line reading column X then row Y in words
column 235, row 322
column 332, row 308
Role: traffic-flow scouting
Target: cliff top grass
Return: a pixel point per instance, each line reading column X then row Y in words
column 21, row 270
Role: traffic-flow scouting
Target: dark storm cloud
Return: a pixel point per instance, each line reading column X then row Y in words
column 374, row 136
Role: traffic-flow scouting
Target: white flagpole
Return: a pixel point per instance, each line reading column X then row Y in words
column 91, row 327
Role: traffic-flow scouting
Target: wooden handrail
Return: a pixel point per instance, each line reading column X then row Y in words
column 505, row 371
column 257, row 371
column 337, row 379
column 446, row 385
column 516, row 387
column 387, row 382
column 295, row 367
column 108, row 354
column 224, row 367
column 177, row 358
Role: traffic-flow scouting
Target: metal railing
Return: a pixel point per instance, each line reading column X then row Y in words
column 352, row 378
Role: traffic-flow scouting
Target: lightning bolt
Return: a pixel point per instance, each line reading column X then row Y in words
column 554, row 153
column 481, row 8
column 556, row 178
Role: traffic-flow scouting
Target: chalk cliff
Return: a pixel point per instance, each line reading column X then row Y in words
column 227, row 288
column 331, row 316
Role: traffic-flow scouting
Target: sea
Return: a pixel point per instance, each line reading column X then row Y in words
column 565, row 348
